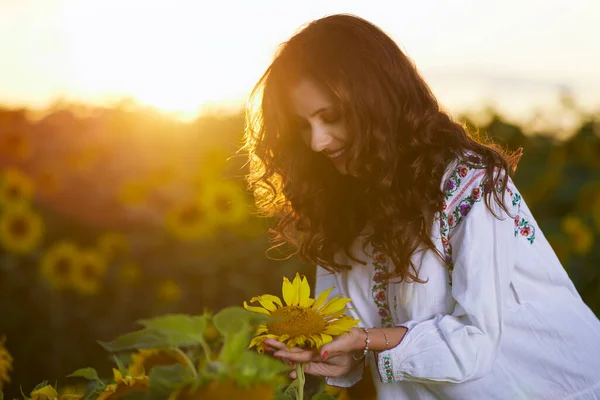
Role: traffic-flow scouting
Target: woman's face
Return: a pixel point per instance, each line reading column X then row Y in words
column 320, row 122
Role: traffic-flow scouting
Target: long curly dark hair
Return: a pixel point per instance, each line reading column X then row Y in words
column 401, row 143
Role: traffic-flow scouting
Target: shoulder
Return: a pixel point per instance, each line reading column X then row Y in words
column 465, row 185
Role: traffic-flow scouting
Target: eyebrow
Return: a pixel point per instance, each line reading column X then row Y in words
column 322, row 109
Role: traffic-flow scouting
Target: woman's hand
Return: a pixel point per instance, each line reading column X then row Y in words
column 333, row 360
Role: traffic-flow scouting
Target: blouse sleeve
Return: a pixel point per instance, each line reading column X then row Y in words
column 462, row 346
column 325, row 280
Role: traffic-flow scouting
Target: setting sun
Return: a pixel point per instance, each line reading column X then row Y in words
column 164, row 56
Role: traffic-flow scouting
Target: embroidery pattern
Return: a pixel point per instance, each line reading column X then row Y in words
column 387, row 365
column 450, row 219
column 379, row 288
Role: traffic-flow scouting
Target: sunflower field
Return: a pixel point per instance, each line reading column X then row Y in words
column 129, row 244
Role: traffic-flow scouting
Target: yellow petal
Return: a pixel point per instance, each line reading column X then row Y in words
column 256, row 309
column 296, row 289
column 268, row 301
column 262, row 329
column 322, row 298
column 341, row 326
column 289, row 294
column 117, row 375
column 326, row 338
column 335, row 306
column 304, row 293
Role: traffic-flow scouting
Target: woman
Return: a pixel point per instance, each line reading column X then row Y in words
column 459, row 293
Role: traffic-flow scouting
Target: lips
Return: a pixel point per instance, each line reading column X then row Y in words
column 335, row 155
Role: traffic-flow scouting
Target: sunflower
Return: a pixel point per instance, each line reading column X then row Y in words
column 6, row 363
column 302, row 322
column 44, row 393
column 133, row 193
column 338, row 392
column 59, row 263
column 15, row 187
column 226, row 201
column 168, row 291
column 580, row 235
column 124, row 386
column 190, row 221
column 146, row 359
column 21, row 229
column 113, row 245
column 92, row 266
column 218, row 390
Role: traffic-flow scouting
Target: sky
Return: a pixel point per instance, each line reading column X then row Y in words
column 187, row 55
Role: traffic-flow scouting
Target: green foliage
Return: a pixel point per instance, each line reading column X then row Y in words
column 87, row 373
column 161, row 332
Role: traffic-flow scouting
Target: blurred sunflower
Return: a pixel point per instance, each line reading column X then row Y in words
column 189, row 221
column 580, row 235
column 87, row 278
column 130, row 272
column 304, row 322
column 47, row 180
column 123, row 386
column 596, row 213
column 219, row 390
column 44, row 393
column 15, row 187
column 59, row 263
column 15, row 145
column 6, row 363
column 226, row 201
column 168, row 291
column 113, row 245
column 146, row 359
column 21, row 229
column 133, row 193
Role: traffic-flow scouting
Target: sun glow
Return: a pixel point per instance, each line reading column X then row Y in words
column 168, row 56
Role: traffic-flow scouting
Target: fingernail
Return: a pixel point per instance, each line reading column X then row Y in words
column 293, row 364
column 324, row 356
column 269, row 349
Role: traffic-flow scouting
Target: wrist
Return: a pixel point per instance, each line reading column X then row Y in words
column 360, row 339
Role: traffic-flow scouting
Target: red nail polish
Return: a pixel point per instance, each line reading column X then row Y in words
column 324, row 357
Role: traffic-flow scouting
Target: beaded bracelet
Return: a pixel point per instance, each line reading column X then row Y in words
column 367, row 341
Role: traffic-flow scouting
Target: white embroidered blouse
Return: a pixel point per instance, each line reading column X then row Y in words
column 500, row 319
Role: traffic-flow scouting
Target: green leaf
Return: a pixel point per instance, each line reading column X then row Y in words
column 164, row 380
column 234, row 345
column 142, row 339
column 173, row 330
column 323, row 396
column 87, row 373
column 252, row 367
column 40, row 385
column 192, row 325
column 119, row 361
column 233, row 319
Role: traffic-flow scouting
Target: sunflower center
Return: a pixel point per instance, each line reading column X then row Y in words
column 89, row 272
column 14, row 192
column 19, row 227
column 62, row 266
column 191, row 214
column 296, row 321
column 223, row 204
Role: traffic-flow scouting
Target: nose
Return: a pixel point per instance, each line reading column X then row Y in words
column 321, row 139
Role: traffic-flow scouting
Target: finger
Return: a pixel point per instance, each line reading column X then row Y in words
column 303, row 357
column 292, row 375
column 275, row 344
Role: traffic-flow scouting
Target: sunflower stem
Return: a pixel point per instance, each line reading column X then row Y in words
column 301, row 380
column 189, row 362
